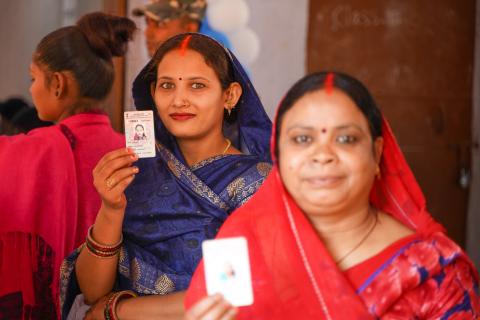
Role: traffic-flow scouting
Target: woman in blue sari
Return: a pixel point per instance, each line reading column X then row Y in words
column 212, row 155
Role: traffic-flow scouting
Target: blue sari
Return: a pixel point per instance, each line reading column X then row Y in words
column 172, row 207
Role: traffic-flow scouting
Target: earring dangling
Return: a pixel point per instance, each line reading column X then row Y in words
column 378, row 174
column 229, row 110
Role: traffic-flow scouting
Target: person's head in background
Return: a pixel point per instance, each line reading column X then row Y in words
column 166, row 18
column 19, row 116
column 72, row 68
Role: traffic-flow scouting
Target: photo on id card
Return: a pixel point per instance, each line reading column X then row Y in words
column 227, row 270
column 139, row 133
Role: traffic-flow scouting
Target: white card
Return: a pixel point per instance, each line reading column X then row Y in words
column 139, row 133
column 227, row 270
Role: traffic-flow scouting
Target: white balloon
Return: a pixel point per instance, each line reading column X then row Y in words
column 228, row 15
column 245, row 45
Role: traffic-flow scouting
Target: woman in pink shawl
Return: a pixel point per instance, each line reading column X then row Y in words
column 340, row 229
column 47, row 198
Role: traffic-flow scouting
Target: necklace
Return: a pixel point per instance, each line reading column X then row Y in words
column 365, row 237
column 229, row 143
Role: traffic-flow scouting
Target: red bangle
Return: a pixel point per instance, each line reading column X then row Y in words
column 101, row 247
column 100, row 254
column 111, row 306
column 99, row 250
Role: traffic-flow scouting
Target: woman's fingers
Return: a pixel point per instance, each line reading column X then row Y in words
column 112, row 175
column 117, row 177
column 112, row 155
column 115, row 197
column 113, row 165
column 120, row 186
column 230, row 314
column 111, row 172
column 202, row 307
column 218, row 311
column 212, row 307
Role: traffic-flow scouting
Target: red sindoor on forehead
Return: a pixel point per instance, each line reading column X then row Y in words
column 184, row 44
column 329, row 83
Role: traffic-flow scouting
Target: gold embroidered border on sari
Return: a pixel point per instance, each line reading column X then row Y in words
column 198, row 186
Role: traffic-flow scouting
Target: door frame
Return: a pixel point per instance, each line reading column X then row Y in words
column 115, row 101
column 473, row 214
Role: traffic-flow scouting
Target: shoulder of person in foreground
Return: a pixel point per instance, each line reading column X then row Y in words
column 436, row 280
column 452, row 290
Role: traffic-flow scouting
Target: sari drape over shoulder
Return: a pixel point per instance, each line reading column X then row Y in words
column 47, row 201
column 424, row 276
column 172, row 207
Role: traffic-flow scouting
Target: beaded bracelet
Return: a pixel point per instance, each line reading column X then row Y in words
column 110, row 311
column 100, row 250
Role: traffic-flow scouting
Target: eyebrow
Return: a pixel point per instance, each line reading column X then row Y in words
column 340, row 127
column 190, row 78
column 349, row 125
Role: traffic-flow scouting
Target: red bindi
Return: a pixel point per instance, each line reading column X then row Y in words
column 324, row 130
column 184, row 44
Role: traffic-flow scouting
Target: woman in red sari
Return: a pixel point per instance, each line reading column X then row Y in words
column 340, row 228
column 47, row 198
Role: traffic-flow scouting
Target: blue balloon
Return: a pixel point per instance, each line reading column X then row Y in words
column 206, row 29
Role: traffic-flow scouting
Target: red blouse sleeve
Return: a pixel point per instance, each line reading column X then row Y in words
column 450, row 295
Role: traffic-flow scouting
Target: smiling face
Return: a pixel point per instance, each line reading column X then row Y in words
column 188, row 95
column 327, row 159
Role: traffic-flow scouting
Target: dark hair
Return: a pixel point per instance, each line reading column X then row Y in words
column 214, row 54
column 86, row 50
column 349, row 85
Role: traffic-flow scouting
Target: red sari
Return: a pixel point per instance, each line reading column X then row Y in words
column 47, row 202
column 424, row 276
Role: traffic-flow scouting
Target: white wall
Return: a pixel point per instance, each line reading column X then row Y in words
column 281, row 26
column 23, row 23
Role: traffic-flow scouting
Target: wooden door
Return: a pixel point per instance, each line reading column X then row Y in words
column 416, row 57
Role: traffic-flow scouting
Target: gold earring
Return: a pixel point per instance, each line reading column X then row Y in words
column 378, row 173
